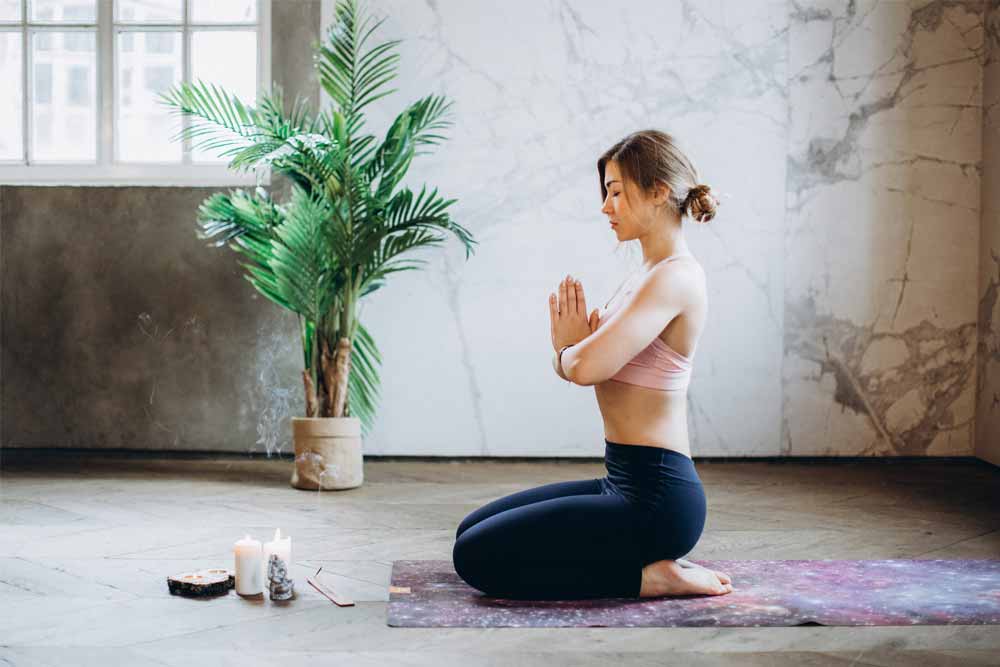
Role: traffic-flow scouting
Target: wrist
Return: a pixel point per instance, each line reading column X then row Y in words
column 556, row 367
column 559, row 360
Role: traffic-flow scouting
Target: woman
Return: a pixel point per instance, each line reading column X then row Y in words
column 621, row 535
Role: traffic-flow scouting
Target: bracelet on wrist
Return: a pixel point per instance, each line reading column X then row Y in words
column 559, row 361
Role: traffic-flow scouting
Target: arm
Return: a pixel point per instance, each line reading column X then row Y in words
column 659, row 298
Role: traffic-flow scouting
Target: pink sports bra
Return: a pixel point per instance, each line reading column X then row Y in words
column 658, row 366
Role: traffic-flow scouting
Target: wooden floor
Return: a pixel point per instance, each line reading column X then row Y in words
column 88, row 539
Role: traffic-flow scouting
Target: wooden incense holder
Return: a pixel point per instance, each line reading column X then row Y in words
column 328, row 592
column 216, row 581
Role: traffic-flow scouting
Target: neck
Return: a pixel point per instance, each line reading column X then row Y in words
column 668, row 241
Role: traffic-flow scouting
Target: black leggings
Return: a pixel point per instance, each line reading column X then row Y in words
column 585, row 538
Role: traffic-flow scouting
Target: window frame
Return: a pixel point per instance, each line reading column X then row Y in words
column 106, row 170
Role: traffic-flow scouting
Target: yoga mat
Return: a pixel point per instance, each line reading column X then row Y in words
column 429, row 593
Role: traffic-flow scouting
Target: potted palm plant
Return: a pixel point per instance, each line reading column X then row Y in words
column 339, row 234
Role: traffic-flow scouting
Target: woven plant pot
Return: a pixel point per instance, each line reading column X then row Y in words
column 327, row 453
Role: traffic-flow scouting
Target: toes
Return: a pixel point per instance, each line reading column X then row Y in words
column 723, row 577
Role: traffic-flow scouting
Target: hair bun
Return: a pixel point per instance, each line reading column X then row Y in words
column 700, row 203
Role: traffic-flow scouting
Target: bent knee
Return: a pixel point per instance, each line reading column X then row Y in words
column 463, row 525
column 468, row 564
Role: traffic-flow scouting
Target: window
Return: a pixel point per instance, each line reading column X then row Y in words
column 83, row 79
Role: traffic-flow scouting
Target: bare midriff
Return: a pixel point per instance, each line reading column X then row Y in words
column 636, row 415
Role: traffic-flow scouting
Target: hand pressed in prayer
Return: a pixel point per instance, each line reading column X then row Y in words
column 568, row 320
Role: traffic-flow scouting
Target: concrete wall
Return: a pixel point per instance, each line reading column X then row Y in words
column 988, row 403
column 122, row 329
column 845, row 138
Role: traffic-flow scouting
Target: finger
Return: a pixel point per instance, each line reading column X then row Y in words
column 581, row 303
column 552, row 317
column 571, row 292
column 562, row 299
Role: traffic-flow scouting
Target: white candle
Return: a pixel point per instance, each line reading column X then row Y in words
column 282, row 548
column 248, row 555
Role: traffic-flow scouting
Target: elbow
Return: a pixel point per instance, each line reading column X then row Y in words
column 581, row 373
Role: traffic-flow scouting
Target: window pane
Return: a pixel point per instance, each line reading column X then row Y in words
column 223, row 11
column 78, row 90
column 43, row 83
column 227, row 58
column 10, row 10
column 11, row 131
column 77, row 11
column 43, row 40
column 78, row 41
column 64, row 99
column 150, row 11
column 144, row 126
column 161, row 42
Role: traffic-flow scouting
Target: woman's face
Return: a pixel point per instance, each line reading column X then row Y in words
column 627, row 221
column 633, row 217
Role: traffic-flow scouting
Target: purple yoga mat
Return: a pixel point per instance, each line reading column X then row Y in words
column 766, row 593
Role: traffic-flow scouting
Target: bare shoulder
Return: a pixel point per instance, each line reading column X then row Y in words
column 683, row 278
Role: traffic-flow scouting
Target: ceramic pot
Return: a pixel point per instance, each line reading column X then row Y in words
column 327, row 453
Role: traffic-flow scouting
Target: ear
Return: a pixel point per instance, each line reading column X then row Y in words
column 661, row 193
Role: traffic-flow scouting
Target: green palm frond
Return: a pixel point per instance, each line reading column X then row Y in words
column 240, row 213
column 355, row 78
column 407, row 223
column 281, row 134
column 364, row 384
column 292, row 264
column 427, row 210
column 218, row 119
column 302, row 263
column 221, row 122
column 415, row 127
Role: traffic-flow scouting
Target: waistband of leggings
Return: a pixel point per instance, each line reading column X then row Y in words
column 644, row 451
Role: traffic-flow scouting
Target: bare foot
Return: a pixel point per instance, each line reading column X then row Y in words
column 723, row 577
column 667, row 577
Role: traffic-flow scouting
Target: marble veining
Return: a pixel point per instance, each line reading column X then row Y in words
column 988, row 366
column 882, row 224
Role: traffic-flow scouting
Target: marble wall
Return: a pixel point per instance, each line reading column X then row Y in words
column 847, row 137
column 882, row 227
column 541, row 90
column 988, row 403
column 846, row 140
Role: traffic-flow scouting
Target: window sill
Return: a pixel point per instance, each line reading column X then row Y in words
column 166, row 175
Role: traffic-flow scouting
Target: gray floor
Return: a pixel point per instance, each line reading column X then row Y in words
column 88, row 539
